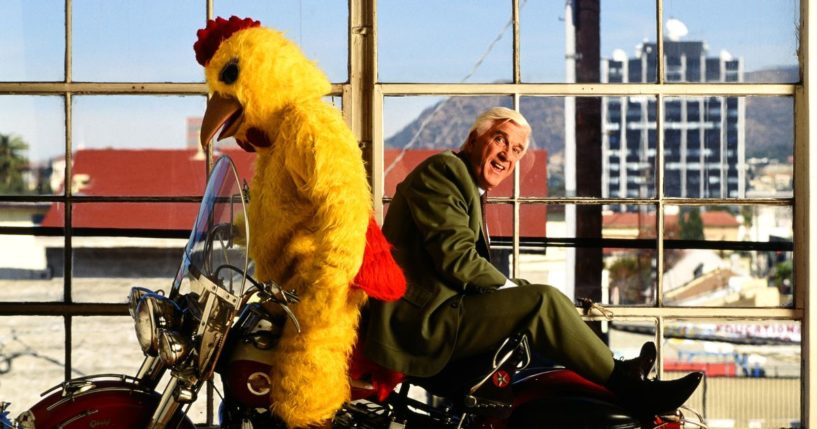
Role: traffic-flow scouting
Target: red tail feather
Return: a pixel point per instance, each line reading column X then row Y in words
column 379, row 275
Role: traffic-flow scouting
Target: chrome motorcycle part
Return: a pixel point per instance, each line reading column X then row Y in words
column 74, row 387
column 258, row 383
column 136, row 293
column 184, row 394
column 173, row 347
column 154, row 312
column 114, row 401
column 150, row 372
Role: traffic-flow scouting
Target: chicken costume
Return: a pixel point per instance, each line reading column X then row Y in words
column 310, row 211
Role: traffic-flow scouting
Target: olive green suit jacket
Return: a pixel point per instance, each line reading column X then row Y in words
column 434, row 223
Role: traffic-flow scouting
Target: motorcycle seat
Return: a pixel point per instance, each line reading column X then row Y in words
column 481, row 384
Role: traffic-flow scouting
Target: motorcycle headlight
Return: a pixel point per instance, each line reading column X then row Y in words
column 173, row 347
column 154, row 312
column 136, row 293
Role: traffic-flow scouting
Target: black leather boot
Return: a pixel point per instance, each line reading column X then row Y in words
column 646, row 397
column 638, row 367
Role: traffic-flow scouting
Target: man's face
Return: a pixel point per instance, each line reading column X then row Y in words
column 494, row 153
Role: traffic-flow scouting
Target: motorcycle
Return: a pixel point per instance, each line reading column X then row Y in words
column 211, row 322
column 182, row 333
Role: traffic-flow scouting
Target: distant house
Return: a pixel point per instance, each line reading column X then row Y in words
column 138, row 173
column 717, row 225
column 133, row 173
column 21, row 256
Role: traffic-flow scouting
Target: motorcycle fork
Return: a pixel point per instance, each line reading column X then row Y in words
column 150, row 372
column 167, row 407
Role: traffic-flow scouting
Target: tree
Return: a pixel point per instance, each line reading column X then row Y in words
column 691, row 224
column 13, row 163
column 631, row 276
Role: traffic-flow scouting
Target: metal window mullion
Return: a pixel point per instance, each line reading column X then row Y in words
column 659, row 219
column 378, row 149
column 516, row 206
column 707, row 313
column 659, row 184
column 590, row 89
column 67, row 248
column 208, row 168
column 117, row 88
column 805, row 213
column 648, row 201
column 516, row 42
column 659, row 192
column 516, row 105
column 362, row 75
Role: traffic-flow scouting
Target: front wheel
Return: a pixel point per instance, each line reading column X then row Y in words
column 97, row 402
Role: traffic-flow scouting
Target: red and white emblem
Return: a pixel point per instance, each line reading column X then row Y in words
column 501, row 379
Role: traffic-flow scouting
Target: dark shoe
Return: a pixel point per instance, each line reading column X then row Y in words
column 637, row 368
column 651, row 397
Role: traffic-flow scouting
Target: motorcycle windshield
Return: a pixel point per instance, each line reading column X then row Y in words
column 217, row 248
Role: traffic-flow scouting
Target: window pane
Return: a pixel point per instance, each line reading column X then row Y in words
column 31, row 266
column 709, row 42
column 589, row 251
column 625, row 337
column 728, row 147
column 171, row 216
column 146, row 41
column 729, row 256
column 32, row 143
column 105, row 268
column 137, row 145
column 105, row 345
column 623, row 26
column 472, row 41
column 319, row 27
column 752, row 370
column 595, row 158
column 32, row 41
column 423, row 126
column 33, row 352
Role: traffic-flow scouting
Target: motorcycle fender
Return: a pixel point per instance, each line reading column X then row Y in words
column 103, row 404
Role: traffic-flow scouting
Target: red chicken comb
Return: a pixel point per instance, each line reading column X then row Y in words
column 210, row 37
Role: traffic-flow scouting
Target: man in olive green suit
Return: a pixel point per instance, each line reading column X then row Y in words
column 457, row 304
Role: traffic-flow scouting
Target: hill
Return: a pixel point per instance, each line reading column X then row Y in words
column 769, row 120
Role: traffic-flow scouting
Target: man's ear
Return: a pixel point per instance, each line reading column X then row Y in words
column 472, row 140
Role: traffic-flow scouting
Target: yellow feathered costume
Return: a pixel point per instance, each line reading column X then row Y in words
column 310, row 203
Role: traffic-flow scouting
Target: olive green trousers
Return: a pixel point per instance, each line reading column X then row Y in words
column 548, row 317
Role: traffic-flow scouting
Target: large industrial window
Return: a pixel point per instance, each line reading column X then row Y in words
column 667, row 176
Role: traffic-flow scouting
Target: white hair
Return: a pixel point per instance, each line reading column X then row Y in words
column 493, row 115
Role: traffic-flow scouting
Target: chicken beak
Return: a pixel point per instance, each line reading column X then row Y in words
column 221, row 111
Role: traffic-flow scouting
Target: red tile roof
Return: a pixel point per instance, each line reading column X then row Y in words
column 180, row 172
column 631, row 220
column 149, row 172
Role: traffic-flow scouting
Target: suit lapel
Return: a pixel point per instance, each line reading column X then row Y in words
column 478, row 209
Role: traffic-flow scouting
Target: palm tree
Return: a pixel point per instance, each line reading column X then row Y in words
column 13, row 163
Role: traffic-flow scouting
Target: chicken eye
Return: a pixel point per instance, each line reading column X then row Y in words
column 229, row 74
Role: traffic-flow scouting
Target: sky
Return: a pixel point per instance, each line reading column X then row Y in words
column 418, row 41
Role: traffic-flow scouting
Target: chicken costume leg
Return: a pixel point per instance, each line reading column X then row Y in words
column 310, row 203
